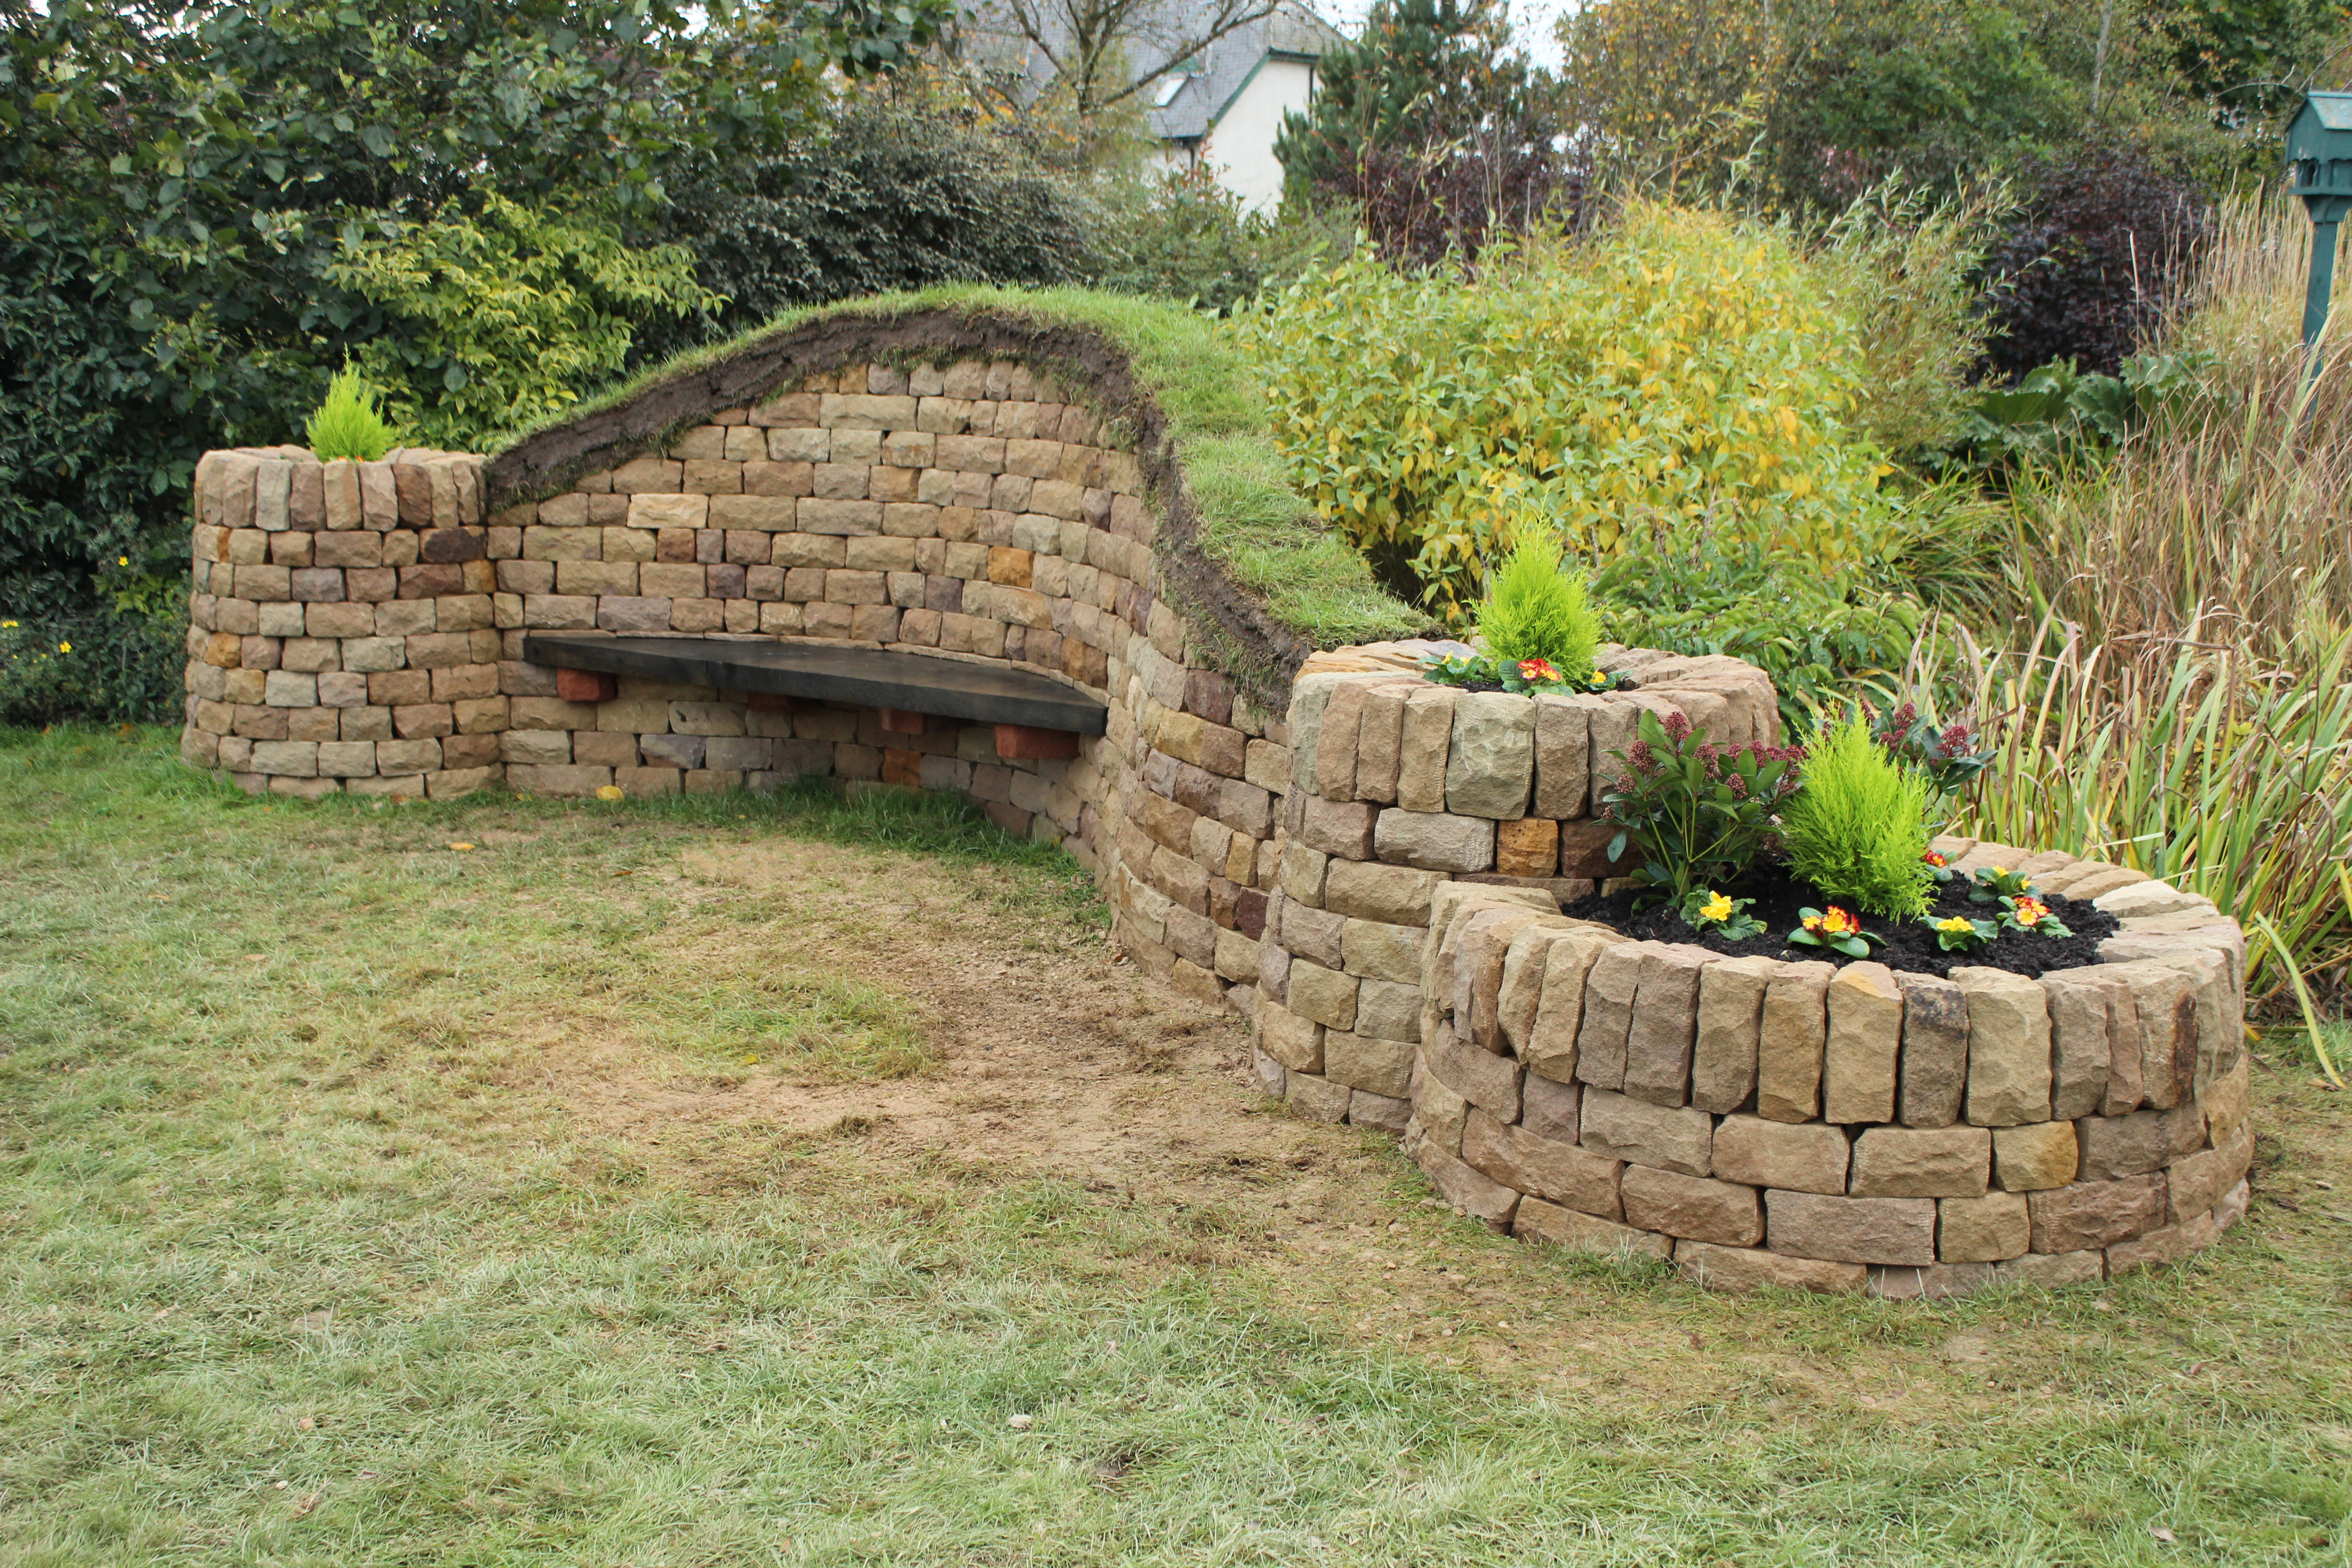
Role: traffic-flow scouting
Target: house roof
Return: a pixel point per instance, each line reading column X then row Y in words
column 1290, row 30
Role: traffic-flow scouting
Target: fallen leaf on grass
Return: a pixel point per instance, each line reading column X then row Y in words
column 461, row 847
column 2162, row 1534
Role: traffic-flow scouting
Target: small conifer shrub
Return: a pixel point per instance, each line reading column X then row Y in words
column 350, row 422
column 1535, row 610
column 1858, row 828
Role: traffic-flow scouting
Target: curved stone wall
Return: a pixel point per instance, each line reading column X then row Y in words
column 1804, row 1124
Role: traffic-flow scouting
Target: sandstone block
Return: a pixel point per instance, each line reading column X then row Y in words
column 1935, row 1066
column 1521, row 996
column 1725, row 1213
column 2050, row 1271
column 2165, row 1000
column 1551, row 1044
column 1387, row 1010
column 1485, row 1080
column 1467, row 1190
column 1790, row 1037
column 2197, row 1183
column 1382, row 950
column 1751, row 1269
column 1526, row 848
column 2087, row 1214
column 1325, row 995
column 2008, row 1047
column 1983, row 1229
column 1934, row 1282
column 1490, row 764
column 1440, row 1115
column 1425, row 738
column 1381, row 1112
column 1610, row 987
column 1316, row 1099
column 1334, row 743
column 2225, row 1103
column 1573, row 1231
column 1805, row 1157
column 2081, row 1003
column 1563, row 771
column 1366, row 889
column 1561, row 1172
column 1730, row 1017
column 1433, row 841
column 1380, row 1066
column 2037, row 1156
column 2130, row 1145
column 1379, row 742
column 1865, row 1033
column 1851, row 1230
column 1671, row 1138
column 1295, row 1041
column 1658, row 1041
column 1922, row 1162
column 1341, row 827
column 1548, row 1108
column 1481, row 945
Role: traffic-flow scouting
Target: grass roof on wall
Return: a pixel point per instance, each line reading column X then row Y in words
column 1245, row 515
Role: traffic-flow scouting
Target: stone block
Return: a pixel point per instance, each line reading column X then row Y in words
column 1335, row 741
column 1850, row 1230
column 2197, row 1182
column 1751, row 1268
column 1387, row 1010
column 1341, row 827
column 1671, row 1138
column 1379, row 742
column 1425, row 738
column 1610, row 986
column 1481, row 947
column 1790, row 1037
column 1659, row 1039
column 2129, row 1146
column 1380, row 1066
column 2037, row 1156
column 1934, row 1065
column 1551, row 1044
column 1528, row 846
column 1490, row 764
column 1381, row 1113
column 1922, row 1162
column 2008, row 1047
column 1864, row 1040
column 1294, row 1041
column 2225, row 1103
column 1380, row 950
column 1555, row 1224
column 1467, row 1190
column 2088, row 1215
column 1983, row 1229
column 1563, row 775
column 1544, row 1167
column 1725, row 1213
column 1432, row 841
column 1548, row 1108
column 1730, row 1015
column 1805, row 1157
column 2048, row 1271
column 1485, row 1080
column 2165, row 1003
column 2081, row 1044
column 1316, row 1099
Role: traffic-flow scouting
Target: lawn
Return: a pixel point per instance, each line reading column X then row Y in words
column 748, row 1181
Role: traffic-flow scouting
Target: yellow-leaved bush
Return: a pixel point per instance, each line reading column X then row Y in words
column 1681, row 367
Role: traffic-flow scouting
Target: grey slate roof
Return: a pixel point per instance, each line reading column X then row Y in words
column 1290, row 29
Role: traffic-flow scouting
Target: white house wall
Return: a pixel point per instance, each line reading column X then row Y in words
column 1240, row 144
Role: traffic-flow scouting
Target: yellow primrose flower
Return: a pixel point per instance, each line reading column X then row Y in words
column 65, row 648
column 1953, row 924
column 1716, row 908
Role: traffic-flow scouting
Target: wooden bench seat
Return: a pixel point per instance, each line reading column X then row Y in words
column 1035, row 715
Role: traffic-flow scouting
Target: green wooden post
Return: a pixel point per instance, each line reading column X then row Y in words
column 2319, row 155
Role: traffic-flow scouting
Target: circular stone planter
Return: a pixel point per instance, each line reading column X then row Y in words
column 1753, row 1121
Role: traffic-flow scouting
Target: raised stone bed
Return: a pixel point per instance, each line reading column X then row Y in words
column 1757, row 1121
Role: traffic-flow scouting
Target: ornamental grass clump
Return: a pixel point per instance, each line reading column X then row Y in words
column 1858, row 829
column 349, row 422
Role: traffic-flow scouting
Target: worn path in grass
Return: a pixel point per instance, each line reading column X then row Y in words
column 714, row 1182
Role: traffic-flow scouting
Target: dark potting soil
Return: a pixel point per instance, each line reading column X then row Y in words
column 1909, row 945
column 1624, row 683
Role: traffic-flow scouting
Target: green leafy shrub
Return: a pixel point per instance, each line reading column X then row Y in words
column 507, row 315
column 1535, row 610
column 1700, row 814
column 1858, row 829
column 103, row 665
column 1681, row 366
column 349, row 422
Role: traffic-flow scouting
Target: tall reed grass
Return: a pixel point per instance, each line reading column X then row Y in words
column 2170, row 691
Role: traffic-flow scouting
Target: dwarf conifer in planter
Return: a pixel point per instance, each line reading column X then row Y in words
column 1858, row 829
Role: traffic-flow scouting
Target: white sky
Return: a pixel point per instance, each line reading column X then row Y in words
column 1531, row 22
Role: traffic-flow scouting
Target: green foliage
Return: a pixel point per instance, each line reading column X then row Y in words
column 1536, row 610
column 504, row 316
column 1859, row 826
column 1432, row 128
column 1699, row 814
column 110, row 666
column 1184, row 235
column 1682, row 365
column 2058, row 415
column 349, row 422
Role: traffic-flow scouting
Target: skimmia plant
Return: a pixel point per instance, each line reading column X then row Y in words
column 1700, row 814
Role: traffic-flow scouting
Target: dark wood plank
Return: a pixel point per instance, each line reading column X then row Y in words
column 858, row 677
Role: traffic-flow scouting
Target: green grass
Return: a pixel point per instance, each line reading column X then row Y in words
column 1252, row 520
column 307, row 1259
